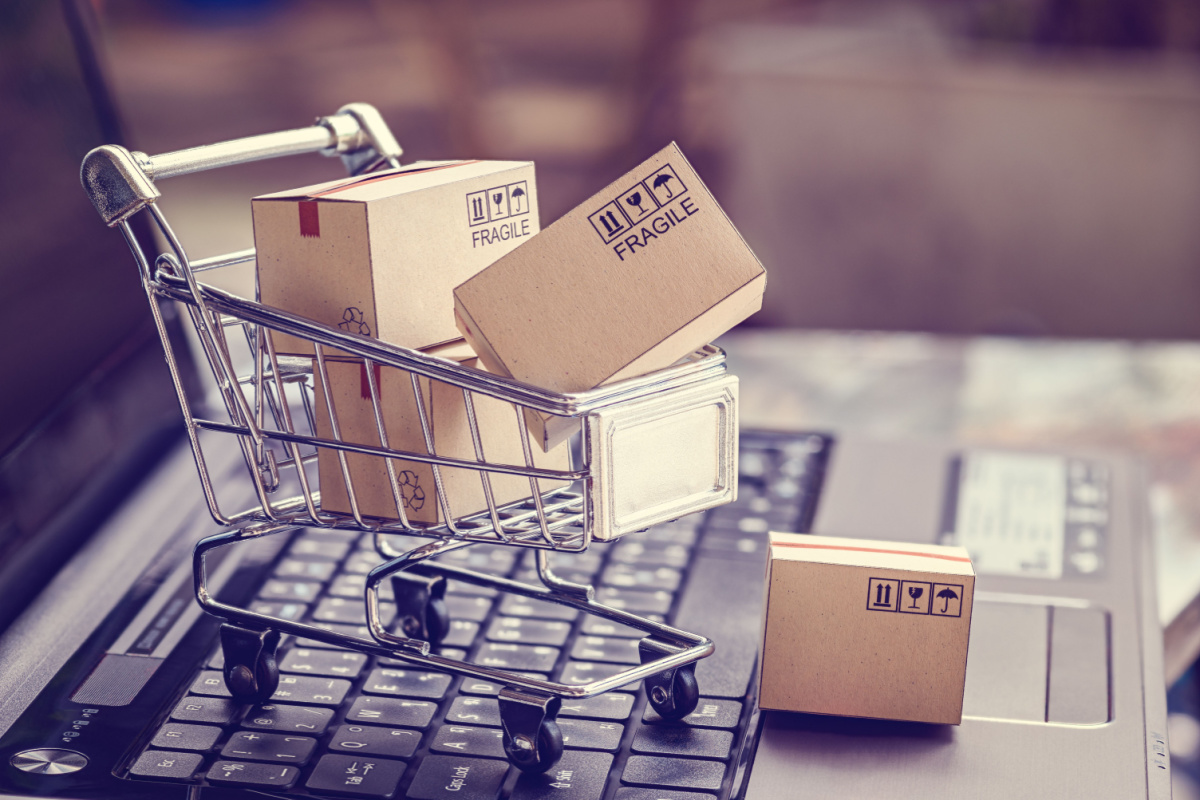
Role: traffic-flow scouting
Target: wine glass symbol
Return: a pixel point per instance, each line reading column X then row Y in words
column 915, row 593
column 635, row 199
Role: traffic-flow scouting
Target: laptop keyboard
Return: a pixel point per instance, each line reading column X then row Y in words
column 346, row 724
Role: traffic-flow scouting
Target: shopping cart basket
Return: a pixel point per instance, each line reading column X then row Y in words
column 652, row 449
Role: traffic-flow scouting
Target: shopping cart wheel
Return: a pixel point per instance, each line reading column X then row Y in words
column 532, row 739
column 680, row 699
column 673, row 693
column 251, row 672
column 421, row 606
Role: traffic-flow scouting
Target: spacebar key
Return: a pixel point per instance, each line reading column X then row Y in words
column 723, row 601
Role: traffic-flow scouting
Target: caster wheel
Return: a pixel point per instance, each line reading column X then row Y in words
column 686, row 693
column 549, row 749
column 437, row 620
column 253, row 684
column 251, row 671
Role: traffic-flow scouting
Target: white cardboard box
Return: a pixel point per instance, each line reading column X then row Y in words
column 637, row 277
column 864, row 628
column 500, row 433
column 379, row 255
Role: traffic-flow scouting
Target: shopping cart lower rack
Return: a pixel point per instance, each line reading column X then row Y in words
column 651, row 449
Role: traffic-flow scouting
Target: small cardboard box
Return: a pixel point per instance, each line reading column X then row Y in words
column 864, row 628
column 639, row 276
column 500, row 433
column 379, row 255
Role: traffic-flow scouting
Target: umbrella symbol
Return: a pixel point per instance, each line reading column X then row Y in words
column 661, row 182
column 635, row 199
column 517, row 193
column 915, row 593
column 947, row 595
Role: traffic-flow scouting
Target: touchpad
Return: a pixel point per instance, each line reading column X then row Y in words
column 1036, row 663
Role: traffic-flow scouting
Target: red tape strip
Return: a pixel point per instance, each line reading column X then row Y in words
column 310, row 220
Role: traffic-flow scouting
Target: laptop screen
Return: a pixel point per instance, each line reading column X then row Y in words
column 84, row 388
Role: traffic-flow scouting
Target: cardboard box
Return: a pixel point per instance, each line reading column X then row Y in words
column 639, row 276
column 865, row 628
column 379, row 255
column 499, row 428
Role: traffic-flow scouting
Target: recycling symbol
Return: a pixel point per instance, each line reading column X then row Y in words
column 353, row 321
column 411, row 491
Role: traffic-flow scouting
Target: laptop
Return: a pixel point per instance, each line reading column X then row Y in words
column 110, row 682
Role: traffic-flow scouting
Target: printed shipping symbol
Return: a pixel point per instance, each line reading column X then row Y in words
column 883, row 594
column 476, row 208
column 947, row 595
column 915, row 593
column 610, row 223
column 517, row 194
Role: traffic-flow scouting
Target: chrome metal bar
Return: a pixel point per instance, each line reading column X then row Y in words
column 227, row 260
column 236, row 151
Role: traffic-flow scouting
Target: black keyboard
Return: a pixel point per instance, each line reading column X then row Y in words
column 346, row 724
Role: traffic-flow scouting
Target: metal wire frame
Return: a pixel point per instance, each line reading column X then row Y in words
column 261, row 416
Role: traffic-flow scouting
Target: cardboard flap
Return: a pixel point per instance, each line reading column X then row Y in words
column 417, row 176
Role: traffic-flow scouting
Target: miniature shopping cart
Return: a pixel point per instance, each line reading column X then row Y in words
column 652, row 449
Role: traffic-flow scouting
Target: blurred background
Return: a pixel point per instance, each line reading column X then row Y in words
column 1006, row 167
column 994, row 166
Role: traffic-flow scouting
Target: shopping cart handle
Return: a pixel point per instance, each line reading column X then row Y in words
column 120, row 183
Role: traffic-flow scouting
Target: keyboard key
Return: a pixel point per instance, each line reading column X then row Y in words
column 329, row 663
column 445, row 777
column 362, row 562
column 477, row 686
column 673, row 773
column 181, row 736
column 255, row 746
column 528, row 631
column 636, row 601
column 210, row 683
column 354, row 586
column 311, row 691
column 579, row 775
column 407, row 683
column 280, row 610
column 288, row 719
column 516, row 606
column 474, row 711
column 309, row 570
column 612, row 651
column 578, row 673
column 462, row 634
column 709, row 713
column 371, row 740
column 392, row 711
column 649, row 553
column 590, row 734
column 723, row 598
column 462, row 587
column 469, row 741
column 630, row 576
column 599, row 626
column 359, row 776
column 531, row 658
column 473, row 609
column 294, row 591
column 353, row 631
column 164, row 765
column 216, row 710
column 682, row 532
column 607, row 706
column 237, row 773
column 351, row 611
column 482, row 558
column 638, row 793
column 682, row 740
column 320, row 550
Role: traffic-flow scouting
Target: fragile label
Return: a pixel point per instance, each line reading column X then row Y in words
column 651, row 208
